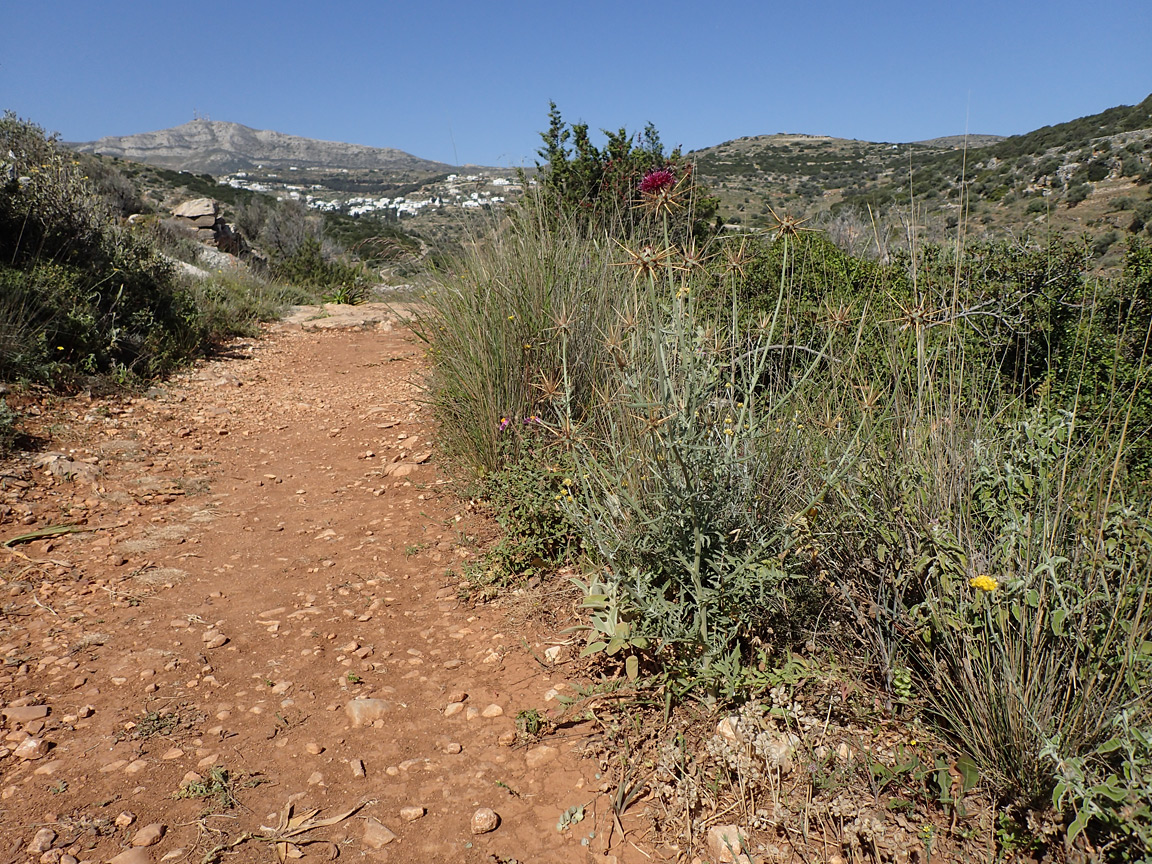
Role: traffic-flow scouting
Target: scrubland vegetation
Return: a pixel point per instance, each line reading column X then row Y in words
column 88, row 299
column 929, row 473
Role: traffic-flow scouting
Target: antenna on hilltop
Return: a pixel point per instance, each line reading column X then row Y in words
column 196, row 115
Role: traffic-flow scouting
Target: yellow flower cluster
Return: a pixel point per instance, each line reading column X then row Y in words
column 984, row 582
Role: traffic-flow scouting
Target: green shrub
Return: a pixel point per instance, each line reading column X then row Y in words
column 90, row 297
column 523, row 498
column 1076, row 193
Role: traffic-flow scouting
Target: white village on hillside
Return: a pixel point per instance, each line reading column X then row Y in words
column 482, row 190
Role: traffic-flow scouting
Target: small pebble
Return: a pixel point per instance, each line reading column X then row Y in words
column 376, row 834
column 484, row 821
column 364, row 711
column 149, row 835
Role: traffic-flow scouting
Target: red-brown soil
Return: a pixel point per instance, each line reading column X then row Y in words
column 265, row 540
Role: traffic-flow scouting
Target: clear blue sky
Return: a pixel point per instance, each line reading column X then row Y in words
column 468, row 81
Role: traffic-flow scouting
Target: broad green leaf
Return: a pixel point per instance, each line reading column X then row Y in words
column 1077, row 826
column 969, row 771
column 593, row 648
column 632, row 667
column 1058, row 617
column 944, row 784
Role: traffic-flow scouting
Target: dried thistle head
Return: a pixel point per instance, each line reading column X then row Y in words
column 653, row 420
column 830, row 422
column 838, row 318
column 647, row 260
column 788, row 226
column 694, row 258
column 548, row 385
column 561, row 320
column 628, row 320
column 614, row 342
column 737, row 257
column 915, row 316
column 869, row 396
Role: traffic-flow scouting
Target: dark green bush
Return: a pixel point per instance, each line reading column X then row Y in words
column 1076, row 193
column 81, row 293
column 86, row 295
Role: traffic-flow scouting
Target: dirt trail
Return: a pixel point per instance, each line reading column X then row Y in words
column 266, row 542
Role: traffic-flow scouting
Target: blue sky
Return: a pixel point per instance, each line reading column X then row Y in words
column 468, row 81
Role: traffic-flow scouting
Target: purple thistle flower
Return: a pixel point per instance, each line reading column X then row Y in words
column 657, row 181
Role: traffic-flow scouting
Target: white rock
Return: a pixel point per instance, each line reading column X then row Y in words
column 135, row 855
column 484, row 821
column 149, row 835
column 31, row 748
column 729, row 728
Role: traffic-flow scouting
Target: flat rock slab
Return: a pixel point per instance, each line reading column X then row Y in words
column 342, row 316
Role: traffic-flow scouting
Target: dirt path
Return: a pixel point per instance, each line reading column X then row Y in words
column 266, row 546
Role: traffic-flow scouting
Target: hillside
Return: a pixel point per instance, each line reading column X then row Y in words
column 1089, row 175
column 216, row 147
column 1086, row 177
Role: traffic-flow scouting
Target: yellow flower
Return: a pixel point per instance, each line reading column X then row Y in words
column 984, row 582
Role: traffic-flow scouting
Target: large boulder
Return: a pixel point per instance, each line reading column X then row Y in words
column 198, row 208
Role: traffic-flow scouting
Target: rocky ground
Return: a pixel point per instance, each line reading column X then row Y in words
column 255, row 612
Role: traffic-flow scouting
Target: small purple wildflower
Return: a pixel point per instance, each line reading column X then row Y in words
column 504, row 423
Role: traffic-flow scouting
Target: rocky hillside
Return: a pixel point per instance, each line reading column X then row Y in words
column 215, row 147
column 1087, row 176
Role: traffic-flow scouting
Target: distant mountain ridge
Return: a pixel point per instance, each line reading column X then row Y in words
column 218, row 147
